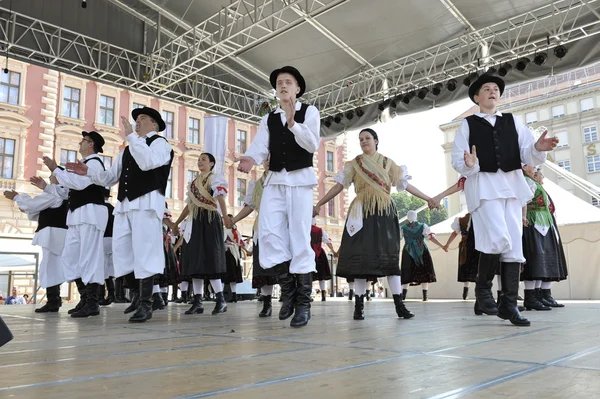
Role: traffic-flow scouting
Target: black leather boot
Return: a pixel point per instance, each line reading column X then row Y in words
column 110, row 288
column 401, row 310
column 287, row 282
column 488, row 263
column 498, row 295
column 82, row 296
column 220, row 305
column 120, row 291
column 183, row 298
column 157, row 302
column 425, row 296
column 197, row 306
column 101, row 293
column 531, row 301
column 368, row 296
column 351, row 294
column 323, row 296
column 165, row 298
column 144, row 311
column 91, row 307
column 135, row 300
column 404, row 292
column 267, row 309
column 53, row 302
column 359, row 307
column 508, row 309
column 548, row 300
column 302, row 300
column 476, row 309
column 174, row 294
column 233, row 297
column 465, row 293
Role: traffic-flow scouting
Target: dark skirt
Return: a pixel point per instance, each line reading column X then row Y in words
column 171, row 275
column 468, row 263
column 234, row 269
column 544, row 256
column 323, row 269
column 204, row 254
column 414, row 274
column 374, row 251
column 260, row 276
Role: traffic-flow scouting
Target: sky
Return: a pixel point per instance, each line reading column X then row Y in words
column 415, row 140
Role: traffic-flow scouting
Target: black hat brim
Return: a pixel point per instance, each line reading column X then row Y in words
column 152, row 113
column 483, row 79
column 292, row 71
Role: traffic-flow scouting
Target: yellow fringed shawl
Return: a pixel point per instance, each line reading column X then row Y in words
column 199, row 197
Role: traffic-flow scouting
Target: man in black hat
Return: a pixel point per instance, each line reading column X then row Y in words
column 291, row 135
column 83, row 255
column 489, row 149
column 142, row 171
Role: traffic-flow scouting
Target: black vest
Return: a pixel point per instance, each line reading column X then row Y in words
column 54, row 217
column 285, row 152
column 497, row 146
column 92, row 194
column 134, row 182
column 111, row 219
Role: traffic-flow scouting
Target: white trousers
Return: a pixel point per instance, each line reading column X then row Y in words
column 138, row 244
column 498, row 228
column 109, row 268
column 51, row 269
column 83, row 255
column 284, row 228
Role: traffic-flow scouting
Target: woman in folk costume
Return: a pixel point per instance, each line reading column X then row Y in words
column 171, row 275
column 204, row 257
column 318, row 236
column 233, row 255
column 468, row 256
column 417, row 265
column 263, row 279
column 185, row 232
column 370, row 245
column 542, row 248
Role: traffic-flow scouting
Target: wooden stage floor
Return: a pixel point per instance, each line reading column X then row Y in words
column 444, row 352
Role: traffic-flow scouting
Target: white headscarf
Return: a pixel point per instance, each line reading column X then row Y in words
column 411, row 216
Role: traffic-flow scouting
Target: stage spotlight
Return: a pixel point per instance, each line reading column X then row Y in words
column 540, row 59
column 504, row 69
column 327, row 122
column 560, row 51
column 467, row 81
column 491, row 71
column 359, row 112
column 406, row 99
column 381, row 106
column 423, row 93
column 522, row 64
column 451, row 85
column 83, row 3
column 338, row 118
column 394, row 102
column 350, row 115
column 437, row 89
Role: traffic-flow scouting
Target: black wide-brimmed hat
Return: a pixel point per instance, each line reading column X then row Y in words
column 292, row 71
column 152, row 113
column 96, row 138
column 483, row 79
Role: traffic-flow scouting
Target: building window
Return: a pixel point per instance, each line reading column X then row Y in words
column 586, row 104
column 70, row 104
column 107, row 111
column 106, row 160
column 168, row 117
column 593, row 163
column 191, row 175
column 7, row 157
column 136, row 105
column 241, row 142
column 329, row 160
column 566, row 165
column 558, row 111
column 331, row 209
column 531, row 117
column 241, row 191
column 169, row 189
column 194, row 131
column 10, row 84
column 590, row 134
column 67, row 156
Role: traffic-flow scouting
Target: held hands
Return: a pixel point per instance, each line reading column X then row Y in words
column 38, row 182
column 246, row 164
column 546, row 143
column 77, row 167
column 433, row 203
column 10, row 194
column 445, row 248
column 227, row 222
column 50, row 163
column 471, row 159
column 525, row 222
column 316, row 210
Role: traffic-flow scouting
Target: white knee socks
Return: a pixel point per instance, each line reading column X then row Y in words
column 530, row 285
column 233, row 286
column 164, row 289
column 538, row 283
column 322, row 285
column 467, row 284
column 395, row 284
column 156, row 289
column 266, row 290
column 425, row 286
column 546, row 285
column 499, row 282
column 198, row 286
column 217, row 285
column 360, row 285
column 184, row 286
column 351, row 285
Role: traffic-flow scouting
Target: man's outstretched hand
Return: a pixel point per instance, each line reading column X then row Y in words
column 246, row 164
column 77, row 167
column 546, row 143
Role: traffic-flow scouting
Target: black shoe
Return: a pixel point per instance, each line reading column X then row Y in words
column 425, row 296
column 359, row 307
column 510, row 273
column 120, row 291
column 183, row 298
column 401, row 310
column 323, row 296
column 110, row 288
column 54, row 301
column 91, row 307
column 368, row 296
column 220, row 305
column 302, row 300
column 548, row 300
column 174, row 294
column 476, row 309
column 157, row 302
column 197, row 306
column 233, row 297
column 287, row 282
column 144, row 311
column 351, row 295
column 488, row 264
column 135, row 300
column 82, row 296
column 404, row 292
column 165, row 298
column 465, row 293
column 267, row 309
column 531, row 301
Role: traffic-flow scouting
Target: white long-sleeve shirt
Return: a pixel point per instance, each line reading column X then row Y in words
column 306, row 135
column 93, row 214
column 489, row 186
column 147, row 157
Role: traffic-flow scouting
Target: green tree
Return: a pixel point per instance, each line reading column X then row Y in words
column 406, row 202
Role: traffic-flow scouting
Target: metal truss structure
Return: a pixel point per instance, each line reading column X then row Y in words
column 178, row 69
